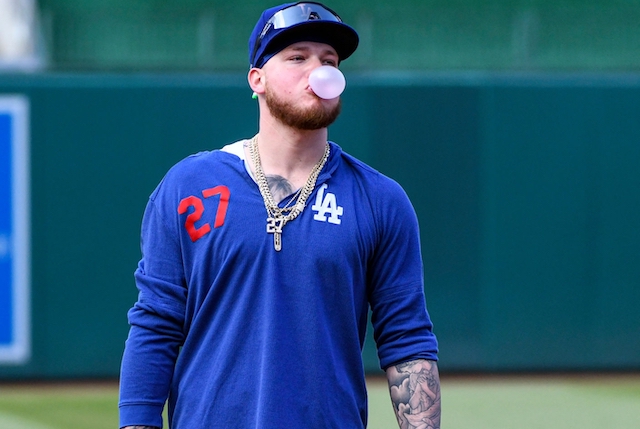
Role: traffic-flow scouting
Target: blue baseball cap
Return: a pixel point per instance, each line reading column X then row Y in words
column 281, row 26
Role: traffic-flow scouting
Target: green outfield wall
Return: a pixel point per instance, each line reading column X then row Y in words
column 527, row 188
column 547, row 35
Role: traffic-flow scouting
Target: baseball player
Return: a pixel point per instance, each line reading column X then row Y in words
column 261, row 262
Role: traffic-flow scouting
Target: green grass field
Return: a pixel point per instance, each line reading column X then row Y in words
column 561, row 402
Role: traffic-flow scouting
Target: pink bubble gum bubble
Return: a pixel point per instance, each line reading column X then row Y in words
column 327, row 82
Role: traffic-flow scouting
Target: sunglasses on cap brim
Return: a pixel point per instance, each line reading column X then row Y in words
column 292, row 15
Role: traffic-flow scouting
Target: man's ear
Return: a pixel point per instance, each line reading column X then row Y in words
column 256, row 80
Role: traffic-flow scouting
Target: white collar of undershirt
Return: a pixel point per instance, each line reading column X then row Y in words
column 237, row 149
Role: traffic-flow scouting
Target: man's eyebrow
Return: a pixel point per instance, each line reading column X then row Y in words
column 303, row 48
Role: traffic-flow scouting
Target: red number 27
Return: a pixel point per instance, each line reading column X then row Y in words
column 198, row 210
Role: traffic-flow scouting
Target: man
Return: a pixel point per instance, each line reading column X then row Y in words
column 261, row 261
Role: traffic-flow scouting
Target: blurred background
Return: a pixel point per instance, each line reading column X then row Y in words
column 513, row 125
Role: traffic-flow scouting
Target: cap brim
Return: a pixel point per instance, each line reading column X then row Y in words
column 340, row 36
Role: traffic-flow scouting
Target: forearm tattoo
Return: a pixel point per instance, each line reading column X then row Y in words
column 415, row 393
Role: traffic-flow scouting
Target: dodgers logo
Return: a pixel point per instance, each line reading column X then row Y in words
column 326, row 205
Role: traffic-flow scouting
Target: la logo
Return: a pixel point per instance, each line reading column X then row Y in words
column 326, row 205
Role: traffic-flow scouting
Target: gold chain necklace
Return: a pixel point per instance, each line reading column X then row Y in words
column 277, row 219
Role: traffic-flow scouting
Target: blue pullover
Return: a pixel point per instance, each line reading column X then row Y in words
column 238, row 335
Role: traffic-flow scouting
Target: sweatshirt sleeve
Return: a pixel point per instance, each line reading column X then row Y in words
column 403, row 330
column 156, row 323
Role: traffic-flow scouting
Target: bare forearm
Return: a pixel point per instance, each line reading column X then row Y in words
column 415, row 394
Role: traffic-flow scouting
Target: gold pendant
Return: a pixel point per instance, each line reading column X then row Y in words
column 274, row 226
column 277, row 241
